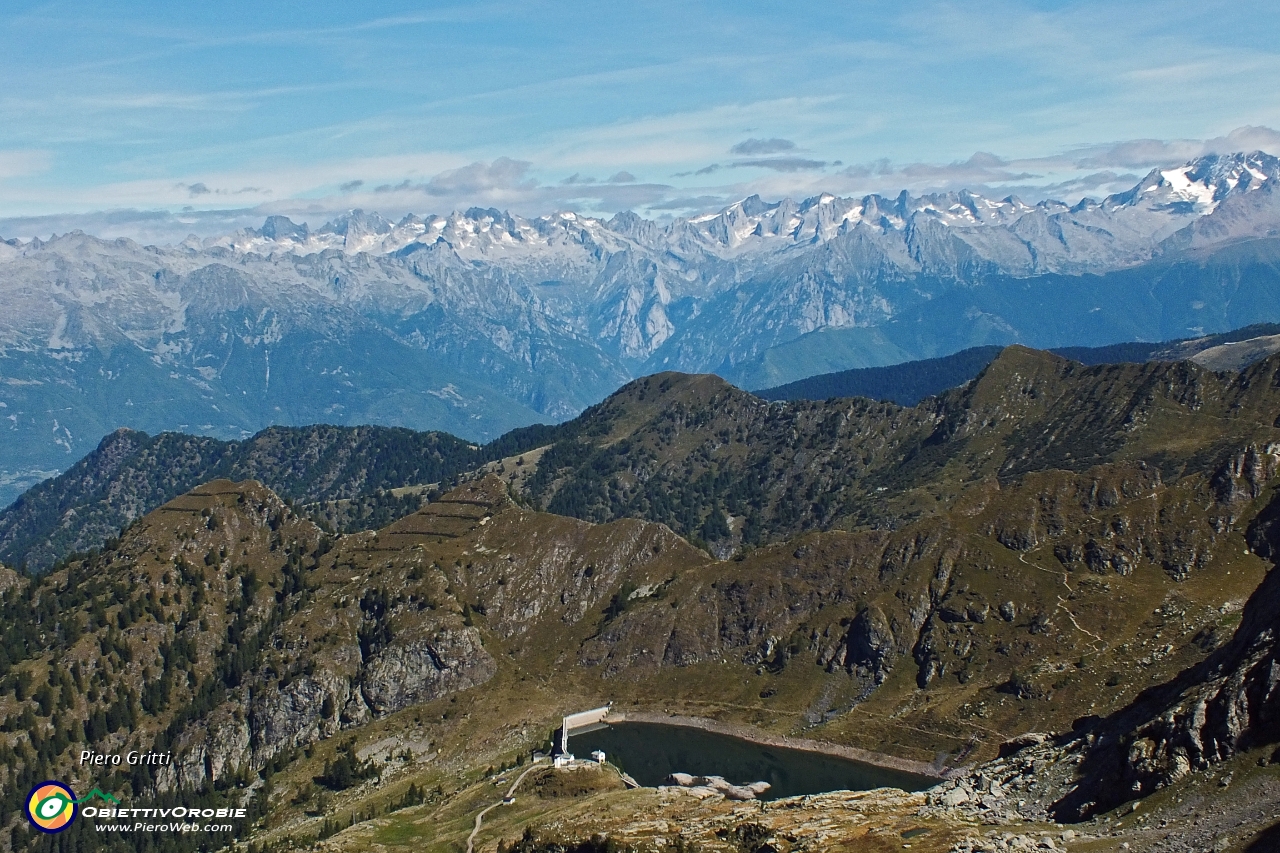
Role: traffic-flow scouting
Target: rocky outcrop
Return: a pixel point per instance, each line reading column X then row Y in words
column 314, row 707
column 707, row 786
column 823, row 602
column 1020, row 785
column 869, row 643
column 8, row 579
column 294, row 716
column 1228, row 703
column 1244, row 475
column 420, row 671
column 213, row 751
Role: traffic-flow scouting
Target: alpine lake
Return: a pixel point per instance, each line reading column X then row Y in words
column 650, row 752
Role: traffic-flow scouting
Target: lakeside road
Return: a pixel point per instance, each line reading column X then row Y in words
column 753, row 735
column 511, row 792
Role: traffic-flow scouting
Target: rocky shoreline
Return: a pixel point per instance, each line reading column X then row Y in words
column 754, row 735
column 709, row 786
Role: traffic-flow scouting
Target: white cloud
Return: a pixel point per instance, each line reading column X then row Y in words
column 780, row 164
column 1139, row 153
column 159, row 227
column 502, row 176
column 432, row 184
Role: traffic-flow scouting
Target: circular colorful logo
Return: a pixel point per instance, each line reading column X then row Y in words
column 51, row 806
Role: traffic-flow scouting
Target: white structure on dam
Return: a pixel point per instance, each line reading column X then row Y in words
column 579, row 721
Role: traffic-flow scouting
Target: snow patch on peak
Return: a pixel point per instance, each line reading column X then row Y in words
column 1185, row 189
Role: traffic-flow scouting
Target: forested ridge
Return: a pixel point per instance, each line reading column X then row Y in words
column 341, row 475
column 103, row 654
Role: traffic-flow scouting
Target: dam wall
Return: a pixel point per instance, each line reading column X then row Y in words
column 580, row 720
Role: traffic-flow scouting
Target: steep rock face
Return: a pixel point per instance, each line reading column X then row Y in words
column 228, row 748
column 1228, row 703
column 222, row 749
column 1243, row 476
column 278, row 719
column 337, row 697
column 8, row 579
column 1207, row 713
column 421, row 671
column 1237, row 706
column 241, row 632
column 293, row 716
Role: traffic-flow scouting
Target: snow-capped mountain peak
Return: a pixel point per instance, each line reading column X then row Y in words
column 753, row 230
column 482, row 313
column 1204, row 183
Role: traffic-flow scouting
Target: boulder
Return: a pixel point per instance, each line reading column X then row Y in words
column 871, row 643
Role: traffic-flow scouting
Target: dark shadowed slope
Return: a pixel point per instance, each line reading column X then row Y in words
column 910, row 382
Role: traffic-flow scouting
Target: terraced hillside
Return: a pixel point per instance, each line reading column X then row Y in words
column 341, row 476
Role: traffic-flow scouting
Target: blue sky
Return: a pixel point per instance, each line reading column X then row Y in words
column 118, row 117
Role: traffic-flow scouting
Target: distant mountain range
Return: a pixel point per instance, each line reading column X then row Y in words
column 482, row 321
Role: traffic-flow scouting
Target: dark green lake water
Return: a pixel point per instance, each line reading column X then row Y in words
column 651, row 751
